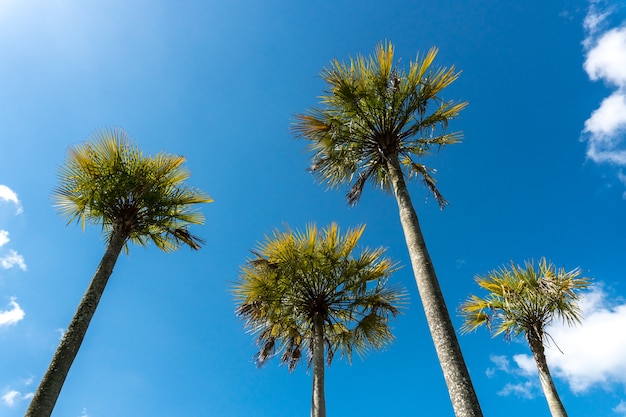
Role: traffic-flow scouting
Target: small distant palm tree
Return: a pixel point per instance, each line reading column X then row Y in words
column 135, row 198
column 525, row 300
column 376, row 122
column 308, row 293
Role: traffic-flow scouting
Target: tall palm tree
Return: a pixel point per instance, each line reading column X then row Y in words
column 307, row 292
column 135, row 198
column 377, row 120
column 525, row 301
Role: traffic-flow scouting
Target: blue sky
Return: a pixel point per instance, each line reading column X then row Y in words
column 541, row 172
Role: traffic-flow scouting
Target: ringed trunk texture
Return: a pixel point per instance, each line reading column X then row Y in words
column 547, row 383
column 318, row 403
column 460, row 388
column 50, row 386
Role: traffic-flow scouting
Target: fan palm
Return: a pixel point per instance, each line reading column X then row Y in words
column 376, row 122
column 307, row 293
column 525, row 300
column 135, row 198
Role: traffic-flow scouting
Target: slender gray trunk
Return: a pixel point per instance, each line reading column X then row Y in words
column 460, row 388
column 547, row 383
column 50, row 386
column 318, row 403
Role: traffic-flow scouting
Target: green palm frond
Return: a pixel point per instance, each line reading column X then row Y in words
column 523, row 300
column 108, row 181
column 294, row 275
column 373, row 110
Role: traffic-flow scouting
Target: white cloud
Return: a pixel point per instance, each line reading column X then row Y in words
column 620, row 409
column 594, row 20
column 13, row 397
column 13, row 315
column 524, row 389
column 11, row 260
column 4, row 237
column 7, row 194
column 502, row 364
column 10, row 397
column 526, row 364
column 605, row 127
column 527, row 387
column 594, row 352
column 605, row 60
column 84, row 413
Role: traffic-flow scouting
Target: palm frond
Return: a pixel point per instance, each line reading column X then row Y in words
column 108, row 181
column 295, row 275
column 525, row 300
column 373, row 111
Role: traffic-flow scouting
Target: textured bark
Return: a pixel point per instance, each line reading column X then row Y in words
column 49, row 389
column 460, row 388
column 547, row 383
column 318, row 403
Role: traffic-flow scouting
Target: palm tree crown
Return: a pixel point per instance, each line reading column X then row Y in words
column 525, row 300
column 296, row 278
column 108, row 181
column 373, row 112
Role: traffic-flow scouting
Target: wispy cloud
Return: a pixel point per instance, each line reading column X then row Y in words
column 6, row 194
column 9, row 397
column 501, row 363
column 13, row 397
column 605, row 60
column 4, row 237
column 523, row 389
column 526, row 365
column 11, row 260
column 13, row 315
column 620, row 409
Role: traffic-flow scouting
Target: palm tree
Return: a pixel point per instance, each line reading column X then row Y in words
column 377, row 121
column 305, row 292
column 525, row 301
column 135, row 198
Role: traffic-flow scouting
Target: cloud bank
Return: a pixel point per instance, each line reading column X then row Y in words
column 605, row 60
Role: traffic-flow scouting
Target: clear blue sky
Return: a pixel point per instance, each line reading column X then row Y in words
column 540, row 173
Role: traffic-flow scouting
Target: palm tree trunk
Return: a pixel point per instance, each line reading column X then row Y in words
column 460, row 388
column 49, row 389
column 547, row 383
column 318, row 405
